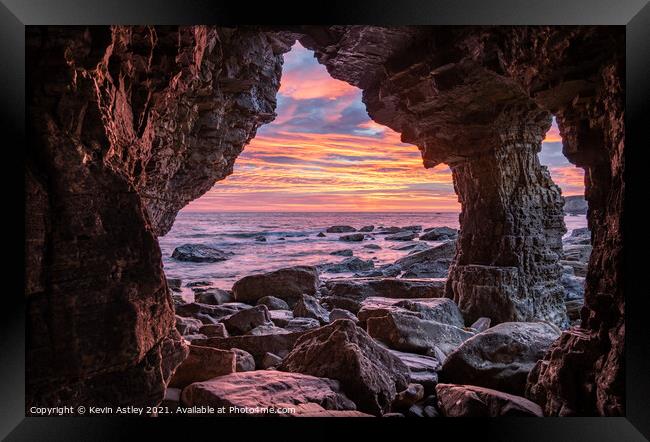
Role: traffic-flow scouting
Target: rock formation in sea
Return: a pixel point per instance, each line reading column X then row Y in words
column 127, row 124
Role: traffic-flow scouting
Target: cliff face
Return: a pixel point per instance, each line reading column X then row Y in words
column 131, row 123
column 127, row 125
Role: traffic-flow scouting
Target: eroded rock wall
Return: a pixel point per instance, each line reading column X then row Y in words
column 127, row 125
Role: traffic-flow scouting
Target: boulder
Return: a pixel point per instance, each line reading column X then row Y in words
column 339, row 313
column 367, row 229
column 575, row 205
column 473, row 401
column 435, row 309
column 214, row 330
column 194, row 337
column 267, row 329
column 577, row 252
column 195, row 284
column 214, row 296
column 246, row 320
column 273, row 303
column 214, row 312
column 438, row 234
column 446, row 250
column 321, row 235
column 309, row 307
column 423, row 370
column 289, row 283
column 199, row 253
column 244, row 361
column 340, row 229
column 353, row 264
column 260, row 238
column 270, row 360
column 481, row 324
column 388, row 230
column 344, row 252
column 256, row 345
column 358, row 289
column 354, row 237
column 368, row 372
column 265, row 389
column 372, row 246
column 402, row 236
column 406, row 398
column 201, row 364
column 438, row 268
column 579, row 268
column 281, row 317
column 574, row 309
column 187, row 326
column 406, row 332
column 500, row 357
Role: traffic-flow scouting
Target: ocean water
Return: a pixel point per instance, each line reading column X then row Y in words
column 236, row 232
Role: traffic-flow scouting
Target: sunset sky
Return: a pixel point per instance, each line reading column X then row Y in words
column 323, row 153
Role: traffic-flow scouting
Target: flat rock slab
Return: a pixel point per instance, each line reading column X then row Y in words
column 472, row 401
column 436, row 309
column 500, row 357
column 358, row 289
column 257, row 391
column 423, row 370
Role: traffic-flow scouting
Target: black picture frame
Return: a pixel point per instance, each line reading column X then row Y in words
column 633, row 14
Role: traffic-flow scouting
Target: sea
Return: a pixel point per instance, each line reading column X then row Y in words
column 291, row 239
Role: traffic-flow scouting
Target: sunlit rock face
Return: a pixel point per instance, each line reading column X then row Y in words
column 479, row 100
column 127, row 125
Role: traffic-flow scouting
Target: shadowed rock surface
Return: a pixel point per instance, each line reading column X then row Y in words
column 342, row 351
column 127, row 124
column 471, row 401
column 287, row 284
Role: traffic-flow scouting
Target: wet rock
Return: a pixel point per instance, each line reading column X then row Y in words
column 423, row 370
column 358, row 289
column 343, row 351
column 270, row 361
column 279, row 344
column 355, row 237
column 473, row 401
column 372, row 246
column 199, row 253
column 500, row 357
column 481, row 324
column 289, row 283
column 339, row 313
column 309, row 307
column 214, row 312
column 431, row 269
column 344, row 252
column 244, row 361
column 271, row 389
column 388, row 230
column 214, row 297
column 273, row 303
column 321, row 235
column 438, row 234
column 340, row 229
column 580, row 236
column 445, row 250
column 214, row 330
column 201, row 364
column 194, row 284
column 406, row 332
column 260, row 238
column 402, row 236
column 246, row 320
column 434, row 309
column 281, row 317
column 174, row 284
column 353, row 264
column 187, row 326
column 367, row 229
column 574, row 287
column 579, row 268
column 577, row 252
column 302, row 324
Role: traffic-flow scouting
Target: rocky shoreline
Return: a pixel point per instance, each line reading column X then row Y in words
column 385, row 342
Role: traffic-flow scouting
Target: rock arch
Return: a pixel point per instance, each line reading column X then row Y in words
column 128, row 124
